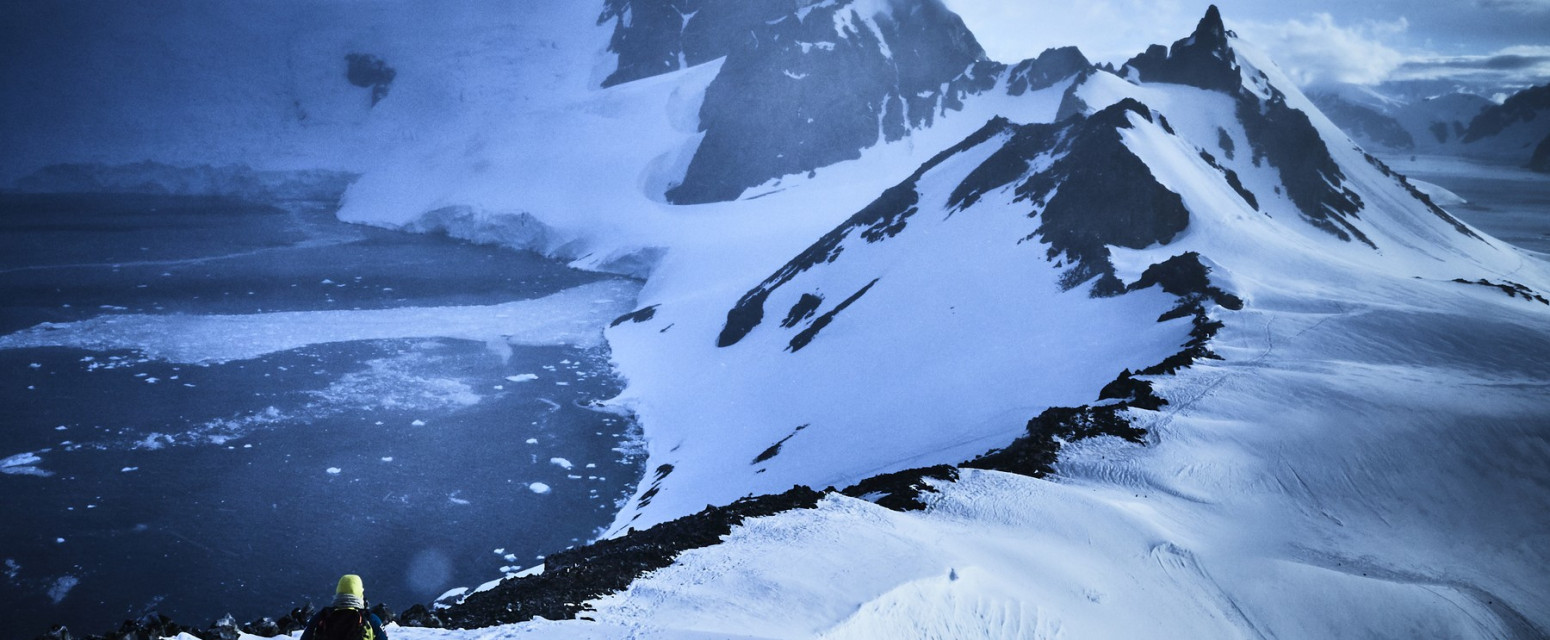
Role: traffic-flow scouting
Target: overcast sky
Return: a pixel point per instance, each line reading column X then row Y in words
column 1505, row 41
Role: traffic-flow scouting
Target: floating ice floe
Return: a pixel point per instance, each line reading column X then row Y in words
column 23, row 464
column 62, row 586
column 538, row 487
column 572, row 317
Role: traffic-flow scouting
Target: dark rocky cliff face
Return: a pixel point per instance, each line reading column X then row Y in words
column 817, row 86
column 1523, row 106
column 1541, row 160
column 657, row 36
column 1051, row 66
column 1368, row 123
column 805, row 85
column 1205, row 59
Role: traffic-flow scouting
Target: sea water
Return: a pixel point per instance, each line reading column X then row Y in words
column 193, row 489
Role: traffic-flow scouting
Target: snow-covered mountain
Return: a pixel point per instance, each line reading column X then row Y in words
column 885, row 319
column 1353, row 448
column 1456, row 123
column 1188, row 361
column 1282, row 490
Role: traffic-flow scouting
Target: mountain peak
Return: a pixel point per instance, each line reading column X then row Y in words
column 1205, row 59
column 1210, row 32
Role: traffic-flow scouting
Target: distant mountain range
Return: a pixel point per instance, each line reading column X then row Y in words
column 1516, row 131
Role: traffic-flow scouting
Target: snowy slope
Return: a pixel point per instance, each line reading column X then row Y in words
column 1283, row 493
column 981, row 290
column 1364, row 461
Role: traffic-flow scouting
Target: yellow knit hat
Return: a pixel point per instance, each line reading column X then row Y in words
column 351, row 584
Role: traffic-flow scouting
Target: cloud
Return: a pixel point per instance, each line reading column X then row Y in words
column 1515, row 6
column 1320, row 51
column 1513, row 66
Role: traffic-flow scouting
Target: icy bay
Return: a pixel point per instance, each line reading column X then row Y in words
column 218, row 407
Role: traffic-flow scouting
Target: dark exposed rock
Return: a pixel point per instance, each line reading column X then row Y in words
column 1541, row 160
column 370, row 72
column 637, row 316
column 774, row 449
column 1523, row 106
column 1225, row 142
column 574, row 576
column 656, row 484
column 901, row 490
column 804, row 308
column 806, row 335
column 1287, row 139
column 816, row 87
column 1232, row 178
column 652, row 37
column 1051, row 66
column 1512, row 289
column 223, row 629
column 1101, row 194
column 1035, row 454
column 419, row 616
column 1365, row 122
column 1439, row 131
column 1132, row 391
column 1202, row 60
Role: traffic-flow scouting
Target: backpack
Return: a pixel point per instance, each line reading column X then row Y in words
column 344, row 624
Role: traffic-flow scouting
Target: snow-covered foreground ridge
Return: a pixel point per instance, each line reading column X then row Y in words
column 1363, row 456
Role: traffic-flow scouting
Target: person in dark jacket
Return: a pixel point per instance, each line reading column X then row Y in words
column 347, row 617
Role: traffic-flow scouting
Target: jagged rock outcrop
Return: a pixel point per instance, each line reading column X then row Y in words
column 1043, row 71
column 818, row 85
column 1523, row 106
column 1205, row 59
column 652, row 37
